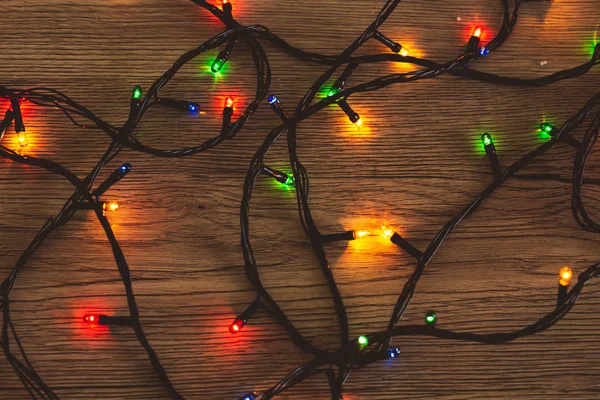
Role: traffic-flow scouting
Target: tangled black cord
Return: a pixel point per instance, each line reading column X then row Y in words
column 352, row 353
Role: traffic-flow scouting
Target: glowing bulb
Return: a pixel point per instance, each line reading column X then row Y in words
column 486, row 139
column 289, row 181
column 477, row 32
column 236, row 326
column 430, row 317
column 404, row 52
column 217, row 65
column 91, row 318
column 229, row 102
column 362, row 234
column 114, row 206
column 332, row 92
column 387, row 231
column 565, row 276
column 358, row 123
column 273, row 100
column 394, row 352
column 363, row 341
column 546, row 127
column 137, row 93
column 125, row 168
column 22, row 138
column 484, row 51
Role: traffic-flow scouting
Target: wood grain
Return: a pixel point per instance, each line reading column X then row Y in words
column 415, row 165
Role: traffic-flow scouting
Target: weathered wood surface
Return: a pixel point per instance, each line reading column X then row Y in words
column 416, row 164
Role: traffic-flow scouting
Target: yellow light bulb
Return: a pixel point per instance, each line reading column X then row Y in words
column 565, row 276
column 358, row 123
column 114, row 206
column 362, row 234
column 22, row 138
column 387, row 231
column 404, row 52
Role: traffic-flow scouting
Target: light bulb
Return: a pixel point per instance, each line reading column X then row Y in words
column 22, row 138
column 137, row 93
column 217, row 65
column 363, row 341
column 387, row 231
column 362, row 234
column 565, row 276
column 430, row 317
column 486, row 139
column 113, row 206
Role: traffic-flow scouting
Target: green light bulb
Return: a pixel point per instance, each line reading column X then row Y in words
column 332, row 92
column 363, row 341
column 289, row 181
column 137, row 93
column 546, row 127
column 217, row 65
column 430, row 317
column 486, row 139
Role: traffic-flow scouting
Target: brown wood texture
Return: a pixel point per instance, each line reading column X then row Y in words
column 416, row 163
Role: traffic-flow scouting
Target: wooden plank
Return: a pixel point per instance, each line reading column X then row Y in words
column 415, row 165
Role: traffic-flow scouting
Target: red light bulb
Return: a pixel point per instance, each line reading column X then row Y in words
column 229, row 102
column 477, row 32
column 236, row 326
column 91, row 318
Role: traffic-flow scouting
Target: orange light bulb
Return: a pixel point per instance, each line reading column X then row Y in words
column 565, row 276
column 362, row 234
column 22, row 138
column 387, row 231
column 114, row 206
column 477, row 31
column 229, row 102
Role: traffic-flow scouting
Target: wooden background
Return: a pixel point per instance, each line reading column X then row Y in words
column 415, row 165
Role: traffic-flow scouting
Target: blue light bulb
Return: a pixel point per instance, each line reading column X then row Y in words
column 272, row 100
column 125, row 167
column 192, row 107
column 484, row 51
column 393, row 352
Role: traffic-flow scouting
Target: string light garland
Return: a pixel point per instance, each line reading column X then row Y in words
column 352, row 353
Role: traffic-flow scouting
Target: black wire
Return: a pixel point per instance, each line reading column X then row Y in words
column 347, row 357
